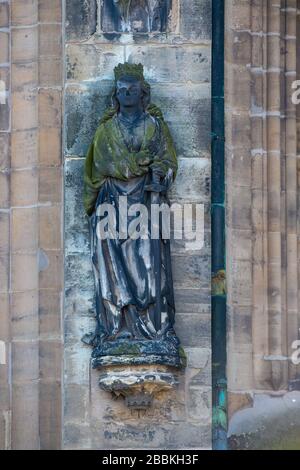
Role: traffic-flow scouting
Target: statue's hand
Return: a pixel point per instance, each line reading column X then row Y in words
column 144, row 158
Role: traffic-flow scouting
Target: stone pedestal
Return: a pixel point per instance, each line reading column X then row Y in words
column 138, row 370
column 138, row 384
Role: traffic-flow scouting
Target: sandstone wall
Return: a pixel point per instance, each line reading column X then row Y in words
column 262, row 165
column 30, row 224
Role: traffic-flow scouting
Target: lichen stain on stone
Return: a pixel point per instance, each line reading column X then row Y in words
column 218, row 283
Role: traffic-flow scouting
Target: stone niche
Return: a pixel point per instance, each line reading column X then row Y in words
column 138, row 16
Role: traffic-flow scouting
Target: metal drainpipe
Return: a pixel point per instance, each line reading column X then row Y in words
column 218, row 296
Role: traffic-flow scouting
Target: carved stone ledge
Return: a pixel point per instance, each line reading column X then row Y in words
column 138, row 384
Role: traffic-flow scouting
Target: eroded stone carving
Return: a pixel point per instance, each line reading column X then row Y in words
column 135, row 15
column 131, row 161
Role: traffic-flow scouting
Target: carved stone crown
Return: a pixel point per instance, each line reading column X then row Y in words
column 131, row 70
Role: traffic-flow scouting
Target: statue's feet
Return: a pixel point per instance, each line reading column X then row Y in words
column 124, row 334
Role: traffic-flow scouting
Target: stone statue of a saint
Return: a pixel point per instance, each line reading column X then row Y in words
column 132, row 159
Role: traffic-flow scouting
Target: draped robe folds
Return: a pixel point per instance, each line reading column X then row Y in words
column 124, row 268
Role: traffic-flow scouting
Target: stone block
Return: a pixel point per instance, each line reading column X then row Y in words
column 4, row 15
column 4, row 232
column 50, row 146
column 50, row 40
column 24, row 46
column 76, row 405
column 50, row 185
column 24, row 315
column 50, row 355
column 50, row 108
column 24, row 76
column 195, row 24
column 24, row 103
column 238, row 16
column 239, row 207
column 240, row 282
column 5, row 318
column 25, row 409
column 84, row 106
column 92, row 61
column 25, row 360
column 50, row 397
column 4, row 273
column 77, row 364
column 240, row 328
column 175, row 64
column 24, row 187
column 77, row 436
column 5, row 75
column 50, row 221
column 81, row 19
column 24, row 230
column 50, row 12
column 50, row 71
column 199, row 404
column 190, row 270
column 193, row 329
column 77, row 238
column 24, row 275
column 24, row 148
column 4, row 117
column 192, row 182
column 5, row 142
column 4, row 53
column 79, row 290
column 192, row 300
column 51, row 273
column 24, row 12
column 50, row 313
column 4, row 189
column 240, row 372
column 187, row 112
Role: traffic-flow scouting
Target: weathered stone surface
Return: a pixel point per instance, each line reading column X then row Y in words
column 5, row 154
column 136, row 16
column 169, row 65
column 138, row 435
column 77, row 436
column 77, row 239
column 193, row 330
column 81, row 19
column 187, row 111
column 188, row 270
column 192, row 182
column 196, row 19
column 86, row 104
column 49, row 12
column 92, row 61
column 24, row 319
column 4, row 15
column 25, row 407
column 84, row 107
column 192, row 300
column 199, row 404
column 50, row 396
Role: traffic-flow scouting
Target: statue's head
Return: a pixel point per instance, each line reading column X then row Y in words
column 131, row 89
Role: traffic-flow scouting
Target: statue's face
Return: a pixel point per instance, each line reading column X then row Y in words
column 129, row 92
